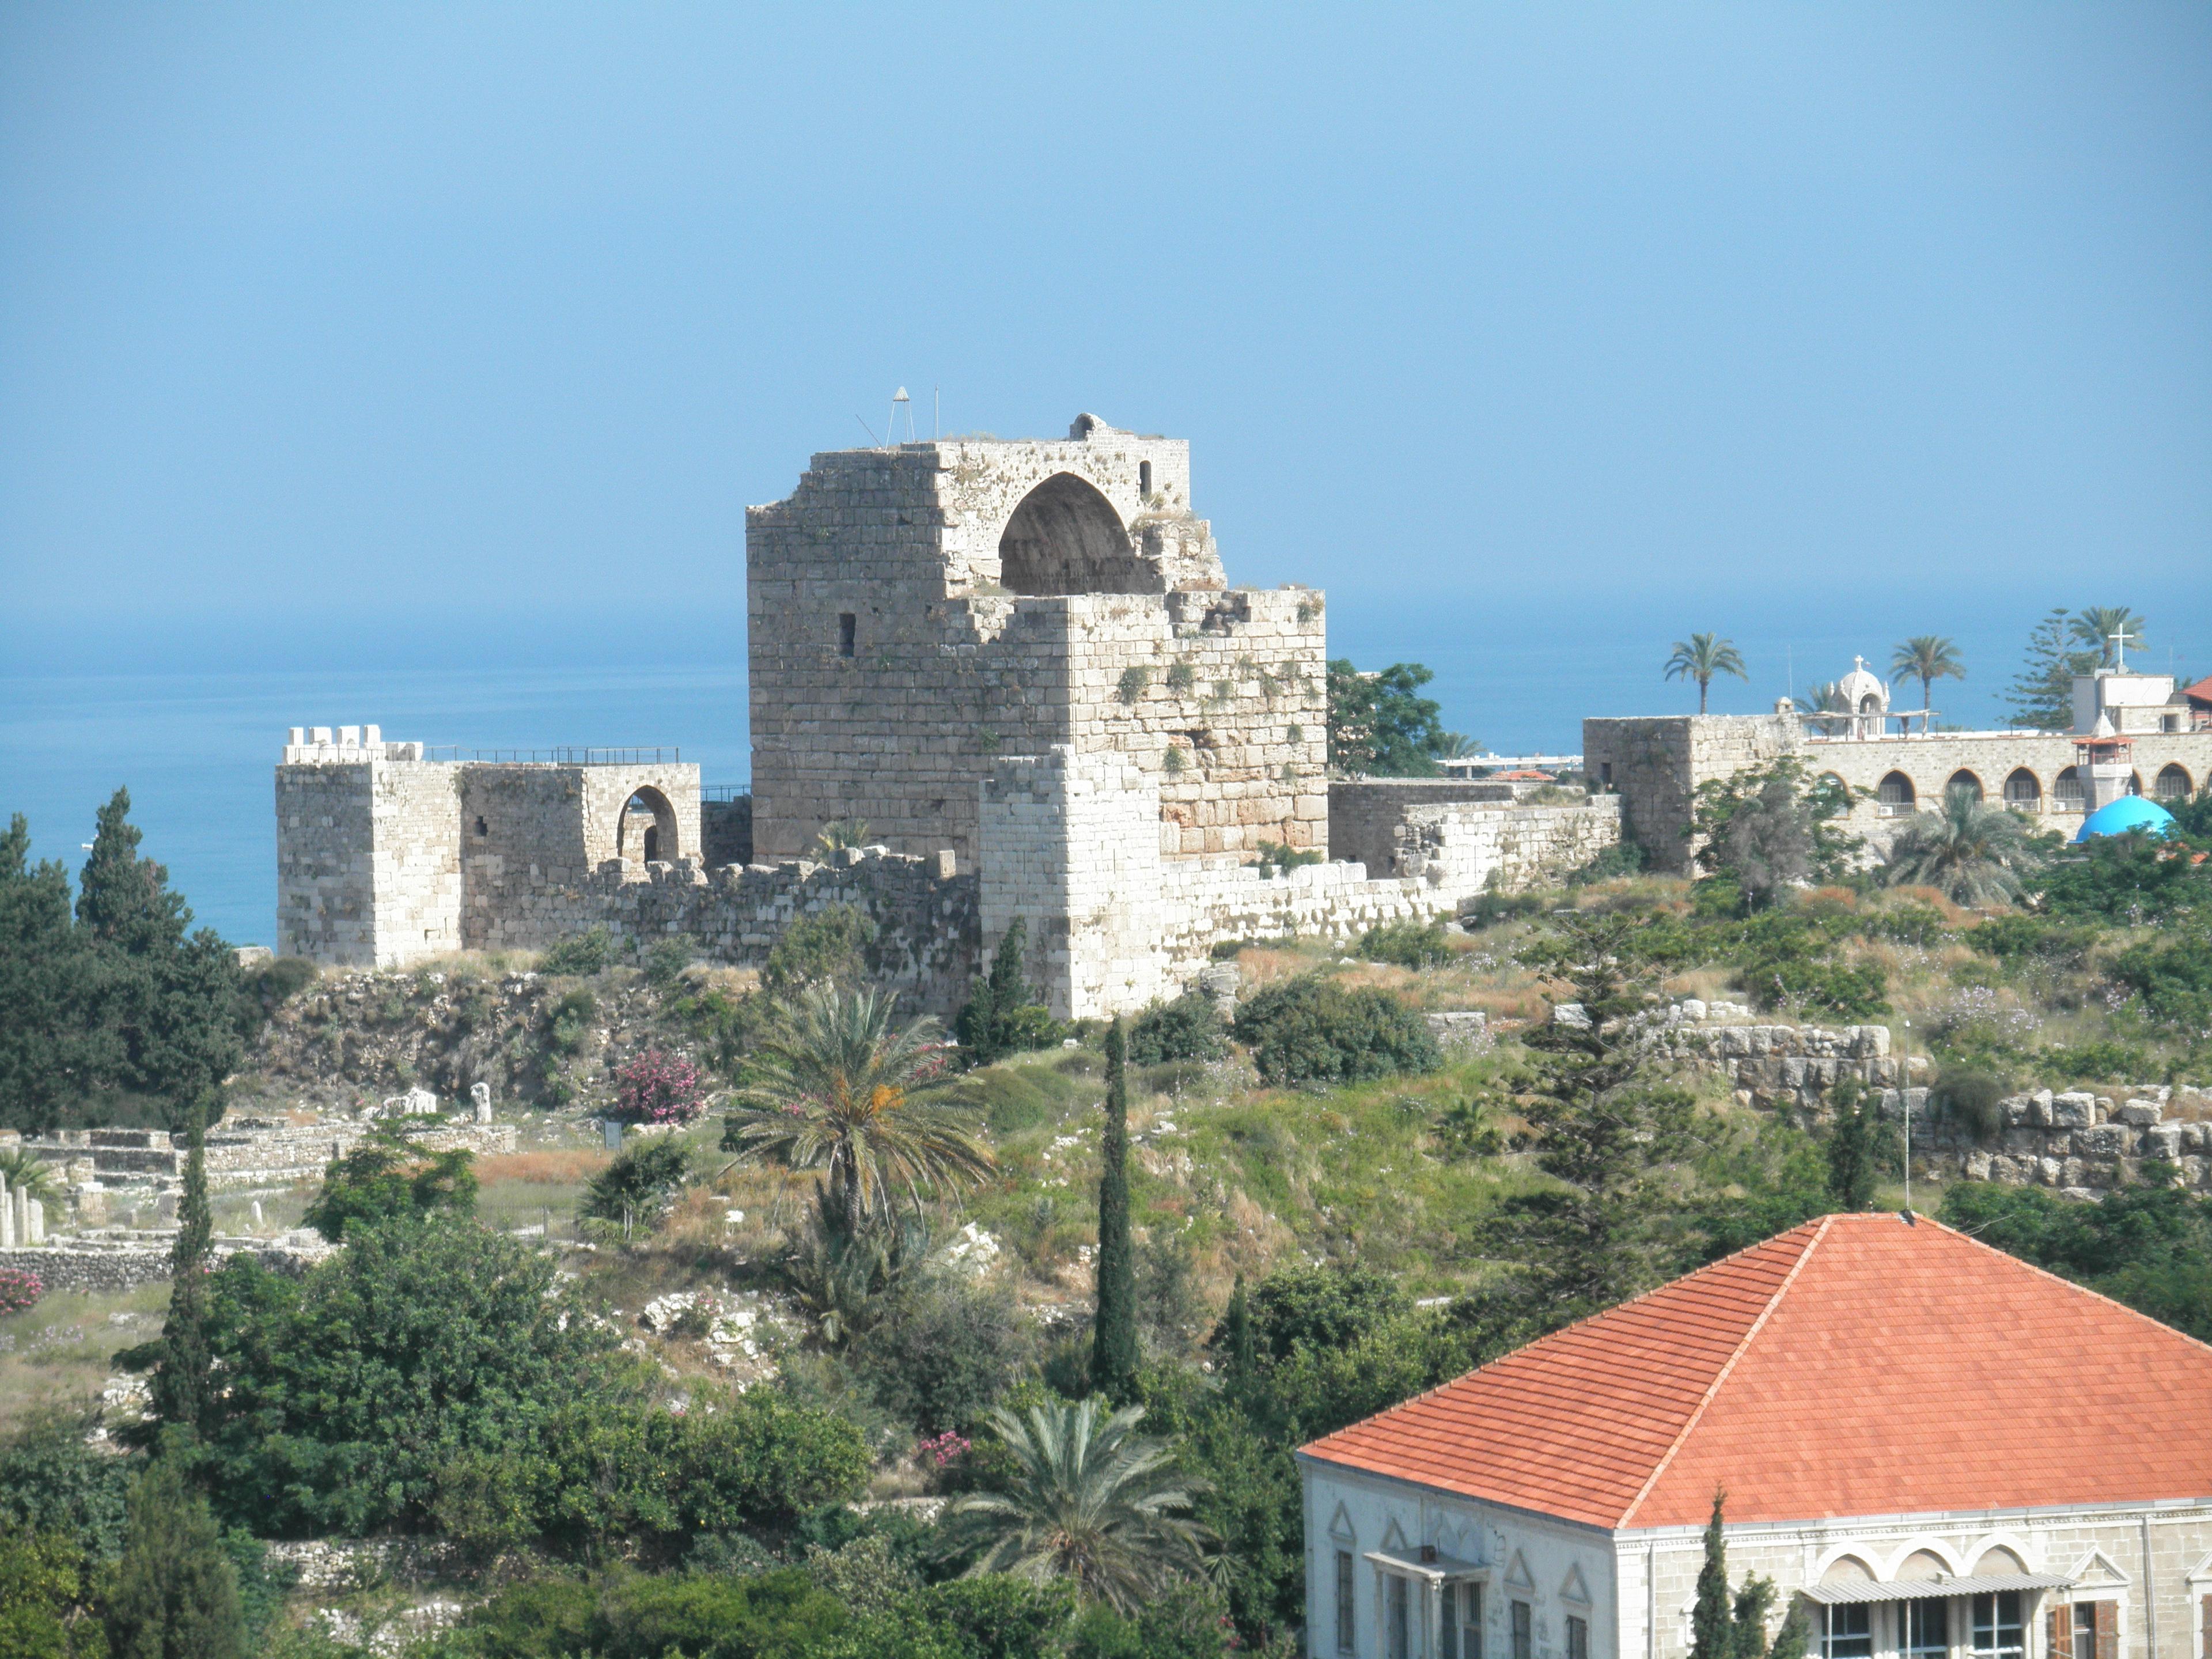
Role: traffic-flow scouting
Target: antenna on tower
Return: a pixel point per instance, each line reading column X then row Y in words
column 890, row 426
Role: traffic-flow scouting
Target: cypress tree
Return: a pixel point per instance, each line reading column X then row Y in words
column 990, row 1026
column 1114, row 1356
column 1850, row 1147
column 175, row 1592
column 1236, row 1338
column 1712, row 1621
column 180, row 1385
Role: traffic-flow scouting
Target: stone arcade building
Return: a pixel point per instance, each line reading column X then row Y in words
column 1020, row 666
column 2133, row 734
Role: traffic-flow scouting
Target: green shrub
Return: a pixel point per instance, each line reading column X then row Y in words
column 1187, row 1029
column 2174, row 977
column 2023, row 941
column 831, row 945
column 1276, row 859
column 568, row 1020
column 943, row 1354
column 1623, row 857
column 581, row 954
column 2102, row 1061
column 1906, row 924
column 1488, row 909
column 666, row 959
column 1972, row 1098
column 1312, row 1029
column 1004, row 1013
column 1408, row 944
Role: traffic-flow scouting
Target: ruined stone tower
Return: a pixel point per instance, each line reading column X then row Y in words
column 916, row 611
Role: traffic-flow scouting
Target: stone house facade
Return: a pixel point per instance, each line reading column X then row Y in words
column 1933, row 1451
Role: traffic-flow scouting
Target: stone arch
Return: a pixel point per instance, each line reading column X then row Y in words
column 1846, row 1567
column 1964, row 782
column 651, row 842
column 1895, row 793
column 2173, row 783
column 1925, row 1558
column 1066, row 537
column 2134, row 783
column 1999, row 1558
column 2068, row 792
column 1870, row 704
column 2023, row 791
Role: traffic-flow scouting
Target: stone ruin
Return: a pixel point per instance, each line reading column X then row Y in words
column 1021, row 665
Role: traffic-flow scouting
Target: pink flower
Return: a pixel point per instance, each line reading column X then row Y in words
column 19, row 1290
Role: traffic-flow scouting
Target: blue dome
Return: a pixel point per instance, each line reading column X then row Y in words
column 2128, row 812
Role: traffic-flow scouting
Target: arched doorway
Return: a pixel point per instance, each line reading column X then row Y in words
column 1895, row 796
column 1066, row 537
column 2023, row 794
column 646, row 833
column 1964, row 783
column 2067, row 794
column 2172, row 783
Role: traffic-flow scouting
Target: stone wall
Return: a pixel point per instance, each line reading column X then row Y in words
column 1366, row 814
column 111, row 1267
column 896, row 653
column 2078, row 1142
column 1655, row 766
column 385, row 859
column 1071, row 842
column 725, row 831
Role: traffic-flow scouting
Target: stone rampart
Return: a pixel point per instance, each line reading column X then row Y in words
column 1366, row 814
column 109, row 1267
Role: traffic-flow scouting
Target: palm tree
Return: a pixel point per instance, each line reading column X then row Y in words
column 840, row 835
column 1974, row 853
column 1702, row 656
column 839, row 1085
column 1087, row 1503
column 1927, row 658
column 1455, row 745
column 1826, row 698
column 27, row 1173
column 2106, row 626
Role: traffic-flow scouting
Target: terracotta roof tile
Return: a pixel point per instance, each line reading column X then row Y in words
column 1855, row 1366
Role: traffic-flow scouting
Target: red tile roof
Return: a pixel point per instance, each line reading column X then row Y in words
column 1855, row 1366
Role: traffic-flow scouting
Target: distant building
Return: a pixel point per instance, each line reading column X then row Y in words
column 2133, row 734
column 1933, row 1451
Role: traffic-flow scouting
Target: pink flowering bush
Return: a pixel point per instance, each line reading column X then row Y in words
column 659, row 1088
column 941, row 1450
column 19, row 1290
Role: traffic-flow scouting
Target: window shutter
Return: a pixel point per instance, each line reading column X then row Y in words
column 2058, row 1634
column 2108, row 1630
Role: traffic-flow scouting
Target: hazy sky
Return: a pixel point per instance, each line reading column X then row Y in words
column 395, row 319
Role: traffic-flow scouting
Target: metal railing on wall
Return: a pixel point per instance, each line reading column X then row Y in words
column 724, row 790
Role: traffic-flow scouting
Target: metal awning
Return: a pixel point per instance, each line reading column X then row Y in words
column 1444, row 1567
column 1912, row 1589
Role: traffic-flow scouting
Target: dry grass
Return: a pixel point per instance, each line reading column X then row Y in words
column 561, row 1167
column 57, row 1352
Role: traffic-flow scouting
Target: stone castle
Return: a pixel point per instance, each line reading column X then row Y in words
column 1020, row 666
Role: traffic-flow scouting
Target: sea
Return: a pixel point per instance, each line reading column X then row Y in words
column 194, row 732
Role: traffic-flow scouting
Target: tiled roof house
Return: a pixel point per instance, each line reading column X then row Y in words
column 1934, row 1450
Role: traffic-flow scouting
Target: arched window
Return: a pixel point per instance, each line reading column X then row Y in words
column 1966, row 783
column 1895, row 795
column 2023, row 792
column 647, row 830
column 1066, row 537
column 2173, row 784
column 2067, row 794
column 2134, row 783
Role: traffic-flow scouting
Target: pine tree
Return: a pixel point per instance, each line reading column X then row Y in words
column 175, row 1593
column 1114, row 1355
column 125, row 900
column 2042, row 693
column 180, row 1385
column 1712, row 1621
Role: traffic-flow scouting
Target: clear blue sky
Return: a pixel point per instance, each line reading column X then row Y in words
column 399, row 330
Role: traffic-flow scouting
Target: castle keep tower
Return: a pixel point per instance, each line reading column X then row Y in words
column 916, row 611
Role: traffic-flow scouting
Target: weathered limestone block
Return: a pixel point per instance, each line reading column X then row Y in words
column 2074, row 1109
